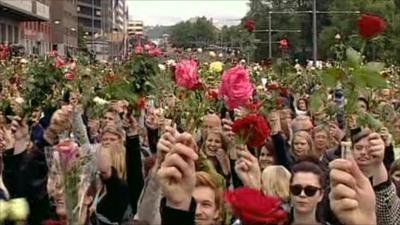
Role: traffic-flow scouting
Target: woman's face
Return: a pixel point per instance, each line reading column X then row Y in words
column 266, row 159
column 363, row 106
column 213, row 143
column 302, row 105
column 300, row 146
column 57, row 192
column 396, row 175
column 306, row 192
column 321, row 140
column 110, row 139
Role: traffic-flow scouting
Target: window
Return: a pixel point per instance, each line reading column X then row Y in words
column 10, row 34
column 78, row 8
column 98, row 13
column 16, row 34
column 2, row 32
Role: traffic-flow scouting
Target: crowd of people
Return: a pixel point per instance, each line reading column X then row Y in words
column 142, row 165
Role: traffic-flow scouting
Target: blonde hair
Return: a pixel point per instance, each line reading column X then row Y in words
column 117, row 157
column 308, row 138
column 276, row 182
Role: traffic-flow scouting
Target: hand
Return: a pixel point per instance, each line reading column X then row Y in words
column 165, row 144
column 248, row 169
column 61, row 119
column 352, row 198
column 376, row 148
column 335, row 131
column 227, row 130
column 6, row 139
column 223, row 161
column 177, row 175
column 19, row 129
column 275, row 122
column 152, row 120
column 386, row 136
column 132, row 126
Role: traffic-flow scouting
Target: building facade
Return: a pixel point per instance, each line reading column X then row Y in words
column 135, row 27
column 103, row 23
column 25, row 22
column 64, row 23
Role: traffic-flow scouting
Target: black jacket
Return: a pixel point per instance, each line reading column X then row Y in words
column 115, row 203
column 134, row 170
column 171, row 216
column 25, row 176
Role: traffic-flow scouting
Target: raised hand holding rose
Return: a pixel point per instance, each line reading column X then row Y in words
column 248, row 169
column 177, row 173
column 352, row 197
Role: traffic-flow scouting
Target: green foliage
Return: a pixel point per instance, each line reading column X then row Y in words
column 141, row 70
column 198, row 33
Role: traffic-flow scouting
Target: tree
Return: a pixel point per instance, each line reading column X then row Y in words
column 197, row 33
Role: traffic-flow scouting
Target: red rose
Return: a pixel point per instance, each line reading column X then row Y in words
column 254, row 105
column 141, row 102
column 280, row 101
column 53, row 53
column 284, row 43
column 284, row 92
column 155, row 52
column 250, row 25
column 59, row 63
column 370, row 26
column 273, row 86
column 69, row 76
column 253, row 207
column 253, row 129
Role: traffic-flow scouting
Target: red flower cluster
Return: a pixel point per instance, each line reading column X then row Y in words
column 250, row 25
column 284, row 43
column 253, row 128
column 5, row 52
column 253, row 207
column 371, row 26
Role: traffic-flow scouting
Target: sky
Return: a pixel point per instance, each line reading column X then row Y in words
column 169, row 12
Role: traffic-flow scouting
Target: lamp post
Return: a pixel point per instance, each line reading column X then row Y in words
column 315, row 36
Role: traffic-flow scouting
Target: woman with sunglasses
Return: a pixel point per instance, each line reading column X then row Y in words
column 307, row 186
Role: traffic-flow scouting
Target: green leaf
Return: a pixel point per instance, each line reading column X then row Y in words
column 316, row 100
column 353, row 57
column 330, row 76
column 370, row 78
column 375, row 66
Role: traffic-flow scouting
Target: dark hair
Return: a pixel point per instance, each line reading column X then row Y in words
column 362, row 99
column 309, row 164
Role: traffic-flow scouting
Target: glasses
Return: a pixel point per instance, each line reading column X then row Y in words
column 309, row 190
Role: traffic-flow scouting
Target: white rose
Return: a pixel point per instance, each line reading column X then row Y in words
column 199, row 50
column 162, row 67
column 19, row 100
column 212, row 54
column 171, row 62
column 99, row 101
column 221, row 55
column 24, row 61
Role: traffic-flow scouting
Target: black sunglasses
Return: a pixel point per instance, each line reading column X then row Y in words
column 309, row 190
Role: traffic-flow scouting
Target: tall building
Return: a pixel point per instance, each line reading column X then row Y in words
column 64, row 23
column 118, row 33
column 135, row 27
column 15, row 28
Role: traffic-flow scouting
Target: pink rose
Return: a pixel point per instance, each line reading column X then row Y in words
column 236, row 88
column 155, row 52
column 139, row 49
column 67, row 150
column 53, row 53
column 147, row 47
column 59, row 63
column 69, row 76
column 186, row 74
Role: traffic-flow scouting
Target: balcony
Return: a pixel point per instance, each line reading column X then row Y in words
column 23, row 10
